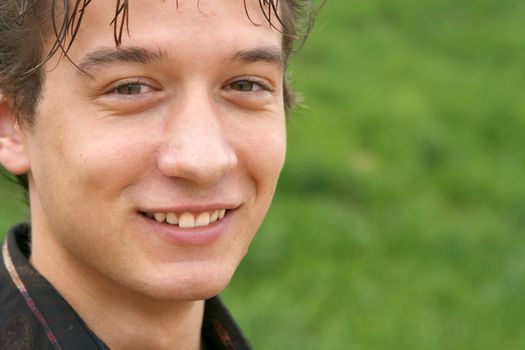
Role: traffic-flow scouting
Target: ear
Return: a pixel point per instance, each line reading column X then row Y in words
column 13, row 149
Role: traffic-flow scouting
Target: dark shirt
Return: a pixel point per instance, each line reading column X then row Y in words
column 33, row 315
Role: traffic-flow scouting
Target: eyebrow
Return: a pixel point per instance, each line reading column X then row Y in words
column 108, row 56
column 135, row 54
column 264, row 54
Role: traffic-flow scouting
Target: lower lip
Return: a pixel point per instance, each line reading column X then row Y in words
column 195, row 236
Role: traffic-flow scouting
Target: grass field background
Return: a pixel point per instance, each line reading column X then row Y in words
column 399, row 220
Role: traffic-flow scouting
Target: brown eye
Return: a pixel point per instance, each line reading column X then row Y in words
column 131, row 89
column 245, row 85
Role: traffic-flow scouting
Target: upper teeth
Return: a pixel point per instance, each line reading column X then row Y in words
column 189, row 220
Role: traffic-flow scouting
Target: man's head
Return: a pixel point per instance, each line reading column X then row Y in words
column 183, row 121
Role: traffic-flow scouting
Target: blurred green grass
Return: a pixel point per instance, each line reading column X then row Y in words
column 12, row 206
column 399, row 218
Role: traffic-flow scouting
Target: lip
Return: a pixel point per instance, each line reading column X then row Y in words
column 190, row 208
column 195, row 236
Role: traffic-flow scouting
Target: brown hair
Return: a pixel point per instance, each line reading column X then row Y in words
column 26, row 25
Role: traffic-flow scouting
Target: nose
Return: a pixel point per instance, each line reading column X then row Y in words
column 196, row 148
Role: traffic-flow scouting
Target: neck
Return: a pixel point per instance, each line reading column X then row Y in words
column 175, row 326
column 139, row 323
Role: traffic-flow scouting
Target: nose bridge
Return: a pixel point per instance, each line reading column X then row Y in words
column 197, row 148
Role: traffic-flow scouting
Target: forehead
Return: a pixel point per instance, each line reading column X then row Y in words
column 183, row 22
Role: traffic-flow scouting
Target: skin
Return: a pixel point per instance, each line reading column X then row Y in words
column 175, row 131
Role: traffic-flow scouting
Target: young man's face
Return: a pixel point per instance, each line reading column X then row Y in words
column 186, row 118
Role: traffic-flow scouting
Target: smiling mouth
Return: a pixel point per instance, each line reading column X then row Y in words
column 188, row 220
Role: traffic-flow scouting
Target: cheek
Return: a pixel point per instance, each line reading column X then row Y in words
column 90, row 162
column 262, row 153
column 110, row 165
column 271, row 151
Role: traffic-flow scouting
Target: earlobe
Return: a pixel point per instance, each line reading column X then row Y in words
column 13, row 150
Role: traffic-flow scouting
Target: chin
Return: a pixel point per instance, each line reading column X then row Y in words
column 199, row 285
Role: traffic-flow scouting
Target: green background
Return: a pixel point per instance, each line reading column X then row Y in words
column 399, row 218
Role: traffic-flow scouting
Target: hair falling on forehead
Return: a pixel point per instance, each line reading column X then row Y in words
column 269, row 8
column 67, row 25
